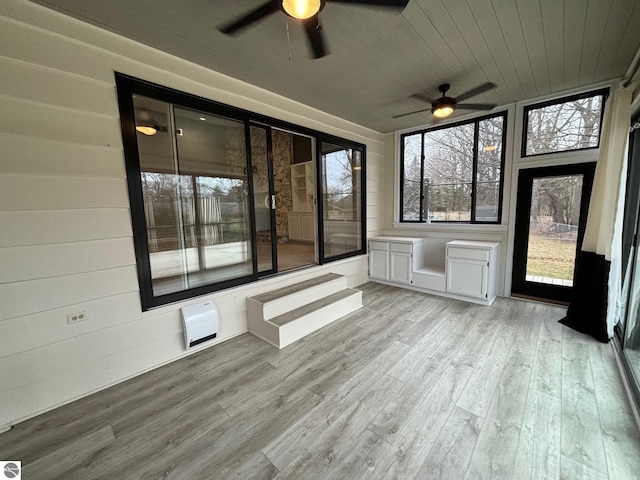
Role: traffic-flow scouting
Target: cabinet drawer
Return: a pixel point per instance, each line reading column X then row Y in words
column 373, row 245
column 401, row 247
column 468, row 253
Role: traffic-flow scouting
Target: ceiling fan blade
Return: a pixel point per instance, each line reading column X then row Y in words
column 253, row 16
column 316, row 39
column 411, row 113
column 475, row 106
column 398, row 4
column 485, row 87
column 421, row 96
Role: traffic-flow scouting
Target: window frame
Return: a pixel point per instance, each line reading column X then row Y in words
column 346, row 144
column 557, row 101
column 476, row 122
column 126, row 87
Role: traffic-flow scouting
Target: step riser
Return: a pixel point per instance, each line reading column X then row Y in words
column 311, row 322
column 308, row 295
column 265, row 330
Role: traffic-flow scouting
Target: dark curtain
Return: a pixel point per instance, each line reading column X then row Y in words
column 587, row 312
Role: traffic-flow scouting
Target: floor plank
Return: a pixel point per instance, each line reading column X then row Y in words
column 581, row 431
column 409, row 386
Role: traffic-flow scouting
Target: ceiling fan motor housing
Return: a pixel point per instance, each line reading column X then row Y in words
column 443, row 102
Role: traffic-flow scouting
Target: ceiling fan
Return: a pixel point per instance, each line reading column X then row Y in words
column 445, row 106
column 306, row 12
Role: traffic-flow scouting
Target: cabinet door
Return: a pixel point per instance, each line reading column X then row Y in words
column 467, row 277
column 306, row 226
column 294, row 226
column 378, row 264
column 400, row 267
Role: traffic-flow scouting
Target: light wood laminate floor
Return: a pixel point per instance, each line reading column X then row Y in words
column 410, row 386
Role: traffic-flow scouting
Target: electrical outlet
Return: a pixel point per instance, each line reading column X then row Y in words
column 77, row 317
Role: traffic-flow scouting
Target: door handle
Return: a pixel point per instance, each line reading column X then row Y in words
column 273, row 202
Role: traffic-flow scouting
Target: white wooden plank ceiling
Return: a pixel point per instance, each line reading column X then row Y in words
column 378, row 58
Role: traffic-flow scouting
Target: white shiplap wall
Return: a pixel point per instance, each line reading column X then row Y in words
column 65, row 234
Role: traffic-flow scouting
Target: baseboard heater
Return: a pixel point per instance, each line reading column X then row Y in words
column 200, row 323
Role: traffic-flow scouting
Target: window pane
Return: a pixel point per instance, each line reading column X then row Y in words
column 411, row 183
column 448, row 173
column 489, row 169
column 449, row 202
column 195, row 196
column 342, row 176
column 570, row 125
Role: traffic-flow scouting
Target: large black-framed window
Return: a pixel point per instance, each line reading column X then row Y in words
column 190, row 177
column 564, row 124
column 454, row 172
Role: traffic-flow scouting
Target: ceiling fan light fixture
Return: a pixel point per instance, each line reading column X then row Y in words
column 442, row 111
column 301, row 9
column 148, row 130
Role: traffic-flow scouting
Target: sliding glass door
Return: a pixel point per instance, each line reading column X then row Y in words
column 631, row 342
column 263, row 199
column 194, row 189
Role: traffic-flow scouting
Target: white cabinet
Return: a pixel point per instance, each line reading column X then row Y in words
column 302, row 187
column 301, row 220
column 295, row 232
column 307, row 230
column 472, row 269
column 301, row 226
column 467, row 271
column 379, row 261
column 400, row 262
column 467, row 277
column 391, row 259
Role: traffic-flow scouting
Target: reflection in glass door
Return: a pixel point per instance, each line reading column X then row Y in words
column 550, row 217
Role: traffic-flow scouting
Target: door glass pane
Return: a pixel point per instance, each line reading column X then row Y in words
column 553, row 229
column 295, row 185
column 262, row 197
column 193, row 169
column 342, row 177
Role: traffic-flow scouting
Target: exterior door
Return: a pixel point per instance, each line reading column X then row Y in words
column 551, row 212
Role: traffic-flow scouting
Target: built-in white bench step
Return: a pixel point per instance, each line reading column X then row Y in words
column 429, row 277
column 289, row 313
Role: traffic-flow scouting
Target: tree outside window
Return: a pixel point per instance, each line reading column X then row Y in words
column 454, row 173
column 570, row 123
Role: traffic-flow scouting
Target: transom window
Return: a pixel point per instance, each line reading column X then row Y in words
column 454, row 173
column 562, row 125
